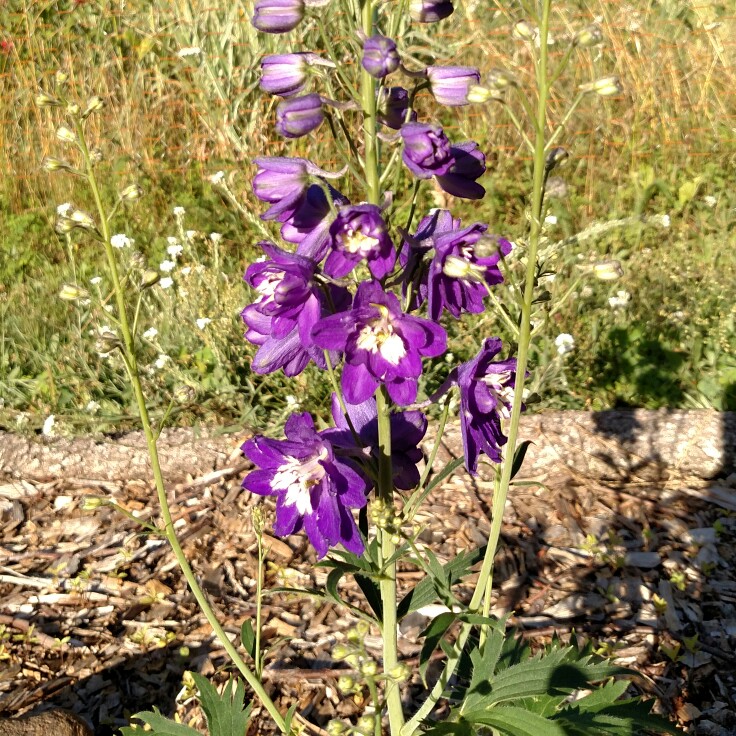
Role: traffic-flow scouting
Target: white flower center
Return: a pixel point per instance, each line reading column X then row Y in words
column 268, row 286
column 355, row 241
column 498, row 386
column 297, row 478
column 379, row 337
column 459, row 268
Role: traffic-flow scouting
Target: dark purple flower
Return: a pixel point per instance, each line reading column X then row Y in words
column 407, row 430
column 277, row 16
column 285, row 74
column 382, row 344
column 314, row 489
column 486, row 395
column 299, row 115
column 468, row 165
column 393, row 102
column 450, row 84
column 464, row 262
column 426, row 150
column 289, row 303
column 380, row 56
column 430, row 11
column 359, row 233
column 284, row 182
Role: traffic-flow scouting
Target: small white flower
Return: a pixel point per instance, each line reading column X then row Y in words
column 108, row 307
column 292, row 401
column 171, row 240
column 48, row 425
column 666, row 222
column 202, row 322
column 92, row 407
column 121, row 241
column 217, row 178
column 166, row 282
column 179, row 211
column 710, row 200
column 186, row 270
column 564, row 343
column 550, row 220
column 95, row 280
column 150, row 333
column 167, row 266
column 63, row 210
column 175, row 250
column 191, row 234
column 189, row 51
column 620, row 301
column 215, row 237
column 162, row 360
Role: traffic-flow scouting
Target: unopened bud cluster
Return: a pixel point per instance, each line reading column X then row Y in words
column 386, row 518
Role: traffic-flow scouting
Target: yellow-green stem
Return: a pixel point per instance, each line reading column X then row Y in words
column 168, row 530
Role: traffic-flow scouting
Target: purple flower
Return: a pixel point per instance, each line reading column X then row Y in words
column 393, row 102
column 468, row 165
column 486, row 394
column 380, row 56
column 464, row 262
column 285, row 74
column 360, row 233
column 426, row 150
column 430, row 11
column 407, row 430
column 277, row 16
column 381, row 345
column 314, row 489
column 450, row 84
column 299, row 115
column 289, row 303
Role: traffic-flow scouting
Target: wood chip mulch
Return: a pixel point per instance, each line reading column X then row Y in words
column 95, row 616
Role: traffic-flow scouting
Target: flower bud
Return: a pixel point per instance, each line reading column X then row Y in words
column 480, row 95
column 61, row 77
column 336, row 728
column 340, row 651
column 430, row 11
column 366, row 724
column 131, row 193
column 606, row 87
column 400, row 672
column 72, row 109
column 64, row 134
column 277, row 16
column 451, row 85
column 184, row 394
column 345, row 684
column 298, row 116
column 150, row 278
column 51, row 164
column 524, row 31
column 95, row 156
column 589, row 36
column 380, row 57
column 500, row 79
column 608, row 270
column 64, row 225
column 369, row 668
column 82, row 219
column 70, row 293
column 91, row 503
column 94, row 104
column 44, row 99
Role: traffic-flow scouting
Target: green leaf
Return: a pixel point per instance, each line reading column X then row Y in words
column 425, row 593
column 160, row 725
column 622, row 718
column 449, row 469
column 288, row 718
column 519, row 456
column 248, row 637
column 226, row 714
column 515, row 722
column 432, row 637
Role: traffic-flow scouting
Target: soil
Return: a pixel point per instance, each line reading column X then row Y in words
column 624, row 535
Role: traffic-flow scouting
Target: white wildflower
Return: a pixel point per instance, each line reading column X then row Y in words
column 710, row 200
column 95, row 280
column 108, row 307
column 202, row 322
column 92, row 407
column 565, row 343
column 620, row 301
column 171, row 240
column 550, row 220
column 215, row 237
column 186, row 270
column 179, row 211
column 162, row 360
column 150, row 333
column 189, row 51
column 121, row 241
column 167, row 266
column 48, row 425
column 217, row 178
column 175, row 249
column 191, row 234
column 292, row 401
column 64, row 209
column 166, row 282
column 666, row 222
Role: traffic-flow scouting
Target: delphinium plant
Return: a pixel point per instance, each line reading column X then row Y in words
column 362, row 283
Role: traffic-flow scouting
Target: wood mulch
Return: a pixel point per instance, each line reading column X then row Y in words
column 95, row 616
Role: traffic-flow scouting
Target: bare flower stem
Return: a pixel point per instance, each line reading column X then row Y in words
column 168, row 530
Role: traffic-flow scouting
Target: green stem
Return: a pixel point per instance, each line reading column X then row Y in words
column 485, row 578
column 169, row 531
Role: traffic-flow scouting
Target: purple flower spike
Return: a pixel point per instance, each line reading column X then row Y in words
column 299, row 115
column 381, row 345
column 464, row 261
column 468, row 165
column 426, row 150
column 314, row 489
column 430, row 11
column 360, row 233
column 450, row 84
column 407, row 430
column 285, row 74
column 486, row 394
column 380, row 56
column 278, row 16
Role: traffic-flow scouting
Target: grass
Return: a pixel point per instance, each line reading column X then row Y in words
column 666, row 147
